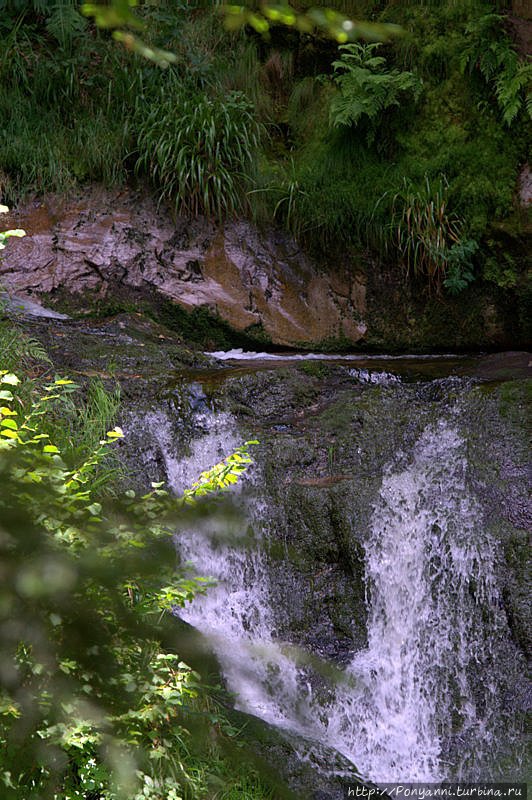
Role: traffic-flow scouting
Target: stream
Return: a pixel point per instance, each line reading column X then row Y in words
column 427, row 697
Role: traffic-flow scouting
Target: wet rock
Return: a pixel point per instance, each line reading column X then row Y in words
column 23, row 306
column 525, row 186
column 327, row 436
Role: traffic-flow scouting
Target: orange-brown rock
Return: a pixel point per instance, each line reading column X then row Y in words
column 96, row 241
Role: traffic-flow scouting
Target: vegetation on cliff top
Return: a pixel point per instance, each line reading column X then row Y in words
column 348, row 148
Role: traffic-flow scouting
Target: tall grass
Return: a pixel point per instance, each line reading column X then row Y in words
column 199, row 150
column 243, row 73
column 424, row 230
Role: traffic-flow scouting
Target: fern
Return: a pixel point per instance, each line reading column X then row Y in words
column 490, row 52
column 528, row 102
column 367, row 88
column 65, row 22
column 16, row 348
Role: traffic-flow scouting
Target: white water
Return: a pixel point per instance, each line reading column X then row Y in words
column 250, row 355
column 432, row 615
column 426, row 549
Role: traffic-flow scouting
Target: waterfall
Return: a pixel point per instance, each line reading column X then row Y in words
column 422, row 702
column 431, row 600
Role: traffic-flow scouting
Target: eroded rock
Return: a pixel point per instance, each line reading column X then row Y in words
column 89, row 244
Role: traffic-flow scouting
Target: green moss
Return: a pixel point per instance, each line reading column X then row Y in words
column 314, row 369
column 199, row 326
column 513, row 398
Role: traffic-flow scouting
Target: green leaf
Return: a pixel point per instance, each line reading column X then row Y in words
column 17, row 232
column 9, row 423
column 10, row 378
column 50, row 448
column 9, row 434
column 116, row 433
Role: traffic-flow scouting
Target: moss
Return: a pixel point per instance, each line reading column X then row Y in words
column 498, row 455
column 199, row 326
column 340, row 417
column 513, row 398
column 314, row 369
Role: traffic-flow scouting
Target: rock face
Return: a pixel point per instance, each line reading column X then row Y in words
column 525, row 186
column 89, row 245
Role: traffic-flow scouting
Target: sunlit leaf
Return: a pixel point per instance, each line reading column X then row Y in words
column 10, row 378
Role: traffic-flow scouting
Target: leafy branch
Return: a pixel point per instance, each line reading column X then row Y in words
column 126, row 25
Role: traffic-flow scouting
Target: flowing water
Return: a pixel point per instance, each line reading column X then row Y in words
column 424, row 700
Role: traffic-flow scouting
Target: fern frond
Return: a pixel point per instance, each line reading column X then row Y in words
column 528, row 104
column 65, row 22
column 366, row 88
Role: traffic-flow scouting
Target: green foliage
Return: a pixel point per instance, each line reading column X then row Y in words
column 199, row 151
column 119, row 16
column 304, row 105
column 95, row 701
column 18, row 350
column 459, row 265
column 368, row 88
column 64, row 22
column 346, row 187
column 331, row 186
column 430, row 238
column 77, row 424
column 490, row 51
column 500, row 269
column 52, row 96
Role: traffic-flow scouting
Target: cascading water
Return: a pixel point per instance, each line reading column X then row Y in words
column 412, row 707
column 432, row 615
column 236, row 614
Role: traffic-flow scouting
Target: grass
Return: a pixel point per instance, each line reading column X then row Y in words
column 76, row 422
column 200, row 156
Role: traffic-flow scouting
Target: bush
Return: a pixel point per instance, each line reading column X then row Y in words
column 94, row 700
